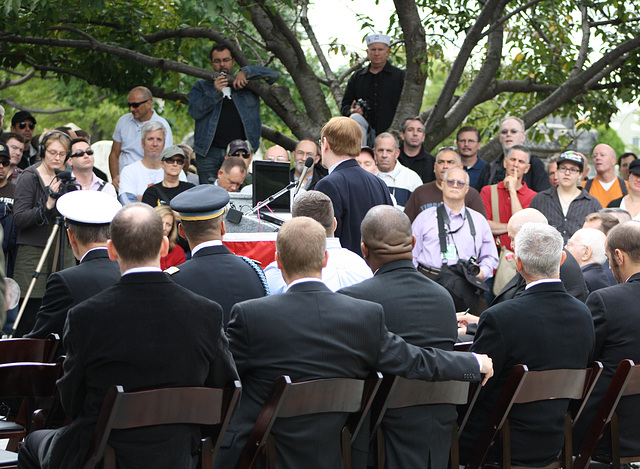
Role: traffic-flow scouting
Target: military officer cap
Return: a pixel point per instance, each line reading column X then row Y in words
column 202, row 202
column 88, row 207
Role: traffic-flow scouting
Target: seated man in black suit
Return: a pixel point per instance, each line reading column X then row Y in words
column 352, row 190
column 213, row 271
column 309, row 332
column 144, row 332
column 616, row 318
column 545, row 328
column 587, row 247
column 422, row 313
column 88, row 215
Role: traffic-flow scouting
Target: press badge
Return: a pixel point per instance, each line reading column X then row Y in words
column 451, row 252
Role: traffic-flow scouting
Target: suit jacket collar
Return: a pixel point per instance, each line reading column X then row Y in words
column 395, row 265
column 348, row 163
column 99, row 253
column 594, row 267
column 309, row 286
column 144, row 277
column 553, row 287
column 212, row 250
column 634, row 278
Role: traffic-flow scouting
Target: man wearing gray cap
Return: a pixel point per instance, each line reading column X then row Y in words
column 88, row 215
column 213, row 271
column 374, row 91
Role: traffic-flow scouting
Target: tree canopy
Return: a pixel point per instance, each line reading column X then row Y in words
column 533, row 59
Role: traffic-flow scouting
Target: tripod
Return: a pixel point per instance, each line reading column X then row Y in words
column 58, row 259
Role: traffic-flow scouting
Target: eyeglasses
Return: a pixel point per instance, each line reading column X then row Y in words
column 179, row 161
column 510, row 131
column 136, row 105
column 5, row 163
column 454, row 183
column 566, row 169
column 15, row 148
column 23, row 125
column 307, row 154
column 80, row 153
column 241, row 153
column 53, row 153
column 226, row 60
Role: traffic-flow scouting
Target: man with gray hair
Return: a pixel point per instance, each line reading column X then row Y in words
column 400, row 180
column 126, row 147
column 136, row 177
column 430, row 194
column 530, row 330
column 587, row 247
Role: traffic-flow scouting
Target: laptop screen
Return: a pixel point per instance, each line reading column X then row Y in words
column 269, row 177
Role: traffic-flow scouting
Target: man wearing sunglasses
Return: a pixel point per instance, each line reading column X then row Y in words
column 224, row 109
column 241, row 149
column 126, row 148
column 82, row 161
column 23, row 123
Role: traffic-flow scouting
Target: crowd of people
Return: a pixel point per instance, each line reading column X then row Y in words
column 391, row 256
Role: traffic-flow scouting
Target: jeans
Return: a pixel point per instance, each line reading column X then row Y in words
column 209, row 164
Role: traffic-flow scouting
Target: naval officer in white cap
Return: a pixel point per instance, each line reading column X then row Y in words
column 87, row 215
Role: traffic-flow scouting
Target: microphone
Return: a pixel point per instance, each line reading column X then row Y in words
column 307, row 165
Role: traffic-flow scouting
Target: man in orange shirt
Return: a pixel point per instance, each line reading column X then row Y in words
column 605, row 186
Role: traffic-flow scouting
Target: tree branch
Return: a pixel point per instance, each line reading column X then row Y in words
column 8, row 83
column 278, row 138
column 584, row 43
column 12, row 103
column 332, row 81
column 507, row 17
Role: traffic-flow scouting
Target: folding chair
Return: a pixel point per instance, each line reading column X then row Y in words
column 29, row 350
column 396, row 392
column 287, row 399
column 181, row 405
column 524, row 386
column 28, row 381
column 625, row 382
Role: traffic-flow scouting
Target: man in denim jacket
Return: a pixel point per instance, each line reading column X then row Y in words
column 224, row 110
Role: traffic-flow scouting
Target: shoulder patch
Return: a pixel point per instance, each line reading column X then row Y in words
column 172, row 270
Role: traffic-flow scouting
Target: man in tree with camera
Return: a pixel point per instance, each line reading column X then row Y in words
column 378, row 86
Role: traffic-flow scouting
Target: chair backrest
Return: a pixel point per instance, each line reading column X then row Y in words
column 29, row 350
column 524, row 386
column 625, row 382
column 181, row 405
column 396, row 392
column 289, row 399
column 27, row 379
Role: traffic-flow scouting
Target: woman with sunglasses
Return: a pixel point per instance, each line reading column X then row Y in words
column 81, row 161
column 173, row 161
column 34, row 215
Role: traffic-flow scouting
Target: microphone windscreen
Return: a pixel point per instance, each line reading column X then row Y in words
column 309, row 162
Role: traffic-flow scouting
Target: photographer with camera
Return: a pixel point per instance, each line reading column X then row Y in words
column 34, row 214
column 454, row 245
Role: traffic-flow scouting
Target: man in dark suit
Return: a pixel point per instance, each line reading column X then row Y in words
column 544, row 328
column 352, row 190
column 422, row 313
column 310, row 332
column 587, row 246
column 88, row 215
column 213, row 271
column 570, row 272
column 616, row 319
column 143, row 332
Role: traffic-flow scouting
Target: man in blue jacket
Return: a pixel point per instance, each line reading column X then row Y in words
column 224, row 110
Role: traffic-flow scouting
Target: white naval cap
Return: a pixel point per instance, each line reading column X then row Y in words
column 88, row 207
column 373, row 38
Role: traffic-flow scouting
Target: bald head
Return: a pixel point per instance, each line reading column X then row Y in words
column 386, row 235
column 136, row 234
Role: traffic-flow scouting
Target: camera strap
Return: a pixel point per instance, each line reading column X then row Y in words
column 443, row 219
